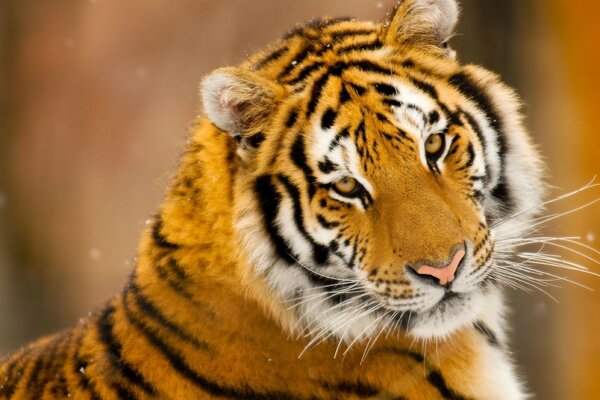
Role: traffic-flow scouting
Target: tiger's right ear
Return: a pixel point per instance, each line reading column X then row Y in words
column 426, row 23
column 240, row 102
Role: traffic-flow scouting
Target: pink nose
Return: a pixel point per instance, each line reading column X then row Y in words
column 445, row 274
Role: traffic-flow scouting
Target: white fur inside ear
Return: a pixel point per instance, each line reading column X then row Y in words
column 427, row 20
column 444, row 16
column 218, row 97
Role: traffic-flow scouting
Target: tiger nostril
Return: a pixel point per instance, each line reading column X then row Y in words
column 444, row 274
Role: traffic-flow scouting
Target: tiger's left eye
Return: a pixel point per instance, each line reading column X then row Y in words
column 434, row 146
column 347, row 186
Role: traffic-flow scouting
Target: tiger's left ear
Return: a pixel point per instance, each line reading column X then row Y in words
column 427, row 23
column 240, row 102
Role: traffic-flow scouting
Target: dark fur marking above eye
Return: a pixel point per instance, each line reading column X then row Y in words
column 408, row 63
column 328, row 118
column 385, row 89
column 433, row 117
column 326, row 166
column 392, row 103
column 425, row 87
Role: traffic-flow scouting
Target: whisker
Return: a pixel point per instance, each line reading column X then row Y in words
column 587, row 186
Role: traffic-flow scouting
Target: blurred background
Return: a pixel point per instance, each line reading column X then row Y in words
column 97, row 96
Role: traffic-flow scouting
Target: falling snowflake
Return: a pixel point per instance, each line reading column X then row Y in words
column 590, row 237
column 95, row 254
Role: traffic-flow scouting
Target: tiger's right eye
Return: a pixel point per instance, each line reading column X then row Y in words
column 435, row 146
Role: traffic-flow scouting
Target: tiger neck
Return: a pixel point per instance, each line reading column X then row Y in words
column 191, row 254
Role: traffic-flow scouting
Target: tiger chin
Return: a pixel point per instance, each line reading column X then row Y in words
column 329, row 233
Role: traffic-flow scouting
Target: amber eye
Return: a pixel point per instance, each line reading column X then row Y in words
column 347, row 186
column 434, row 146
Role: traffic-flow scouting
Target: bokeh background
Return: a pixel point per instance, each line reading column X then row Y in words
column 96, row 98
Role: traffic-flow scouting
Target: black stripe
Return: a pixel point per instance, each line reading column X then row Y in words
column 385, row 89
column 298, row 59
column 328, row 118
column 392, row 103
column 177, row 270
column 360, row 389
column 292, row 118
column 338, row 35
column 158, row 237
column 358, row 89
column 437, row 380
column 471, row 120
column 305, row 73
column 320, row 252
column 425, row 87
column 79, row 368
column 54, row 358
column 177, row 361
column 375, row 45
column 433, row 117
column 471, row 157
column 318, row 24
column 275, row 55
column 325, row 223
column 417, row 357
column 270, row 200
column 315, row 94
column 256, row 140
column 114, row 350
column 150, row 310
column 298, row 156
column 369, row 66
column 465, row 85
column 15, row 373
column 344, row 95
column 326, row 166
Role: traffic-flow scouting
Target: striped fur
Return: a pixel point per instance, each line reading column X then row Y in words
column 260, row 280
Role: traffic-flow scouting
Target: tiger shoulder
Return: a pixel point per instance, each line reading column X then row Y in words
column 331, row 232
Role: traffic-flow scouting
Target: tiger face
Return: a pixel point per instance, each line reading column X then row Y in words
column 374, row 173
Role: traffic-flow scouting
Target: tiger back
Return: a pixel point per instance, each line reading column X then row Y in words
column 330, row 233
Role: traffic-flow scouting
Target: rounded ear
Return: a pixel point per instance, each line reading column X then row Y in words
column 423, row 22
column 238, row 101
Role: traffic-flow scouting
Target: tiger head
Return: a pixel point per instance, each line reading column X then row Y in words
column 375, row 173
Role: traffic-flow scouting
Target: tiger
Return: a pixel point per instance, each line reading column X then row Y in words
column 330, row 232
